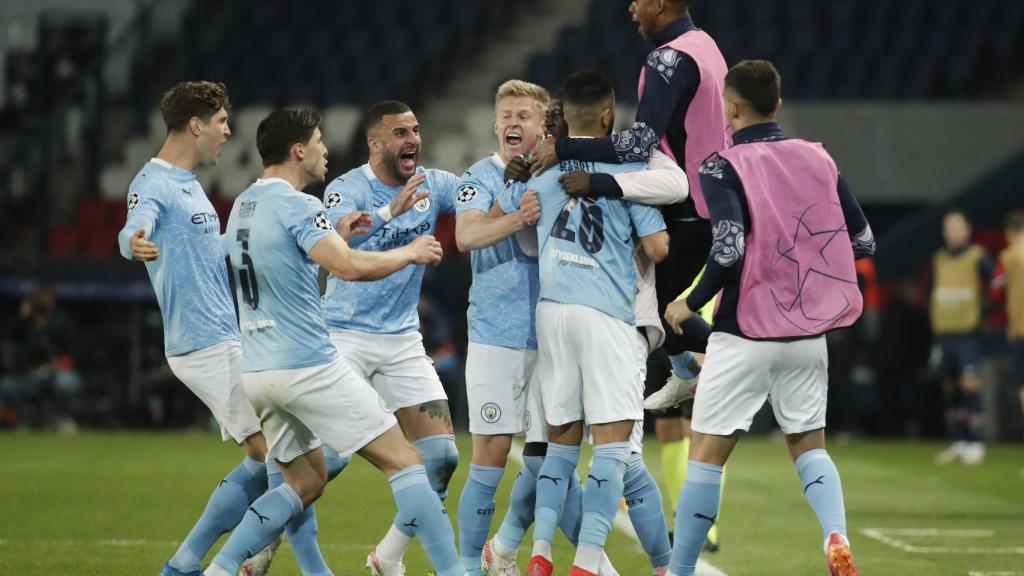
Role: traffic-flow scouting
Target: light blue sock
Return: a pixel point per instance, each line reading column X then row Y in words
column 697, row 511
column 441, row 458
column 265, row 520
column 604, row 490
column 823, row 489
column 572, row 510
column 476, row 508
column 643, row 498
column 335, row 462
column 302, row 531
column 553, row 482
column 684, row 365
column 522, row 499
column 421, row 512
column 223, row 512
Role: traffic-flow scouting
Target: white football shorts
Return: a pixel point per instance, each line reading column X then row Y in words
column 300, row 406
column 214, row 375
column 587, row 365
column 498, row 380
column 739, row 374
column 396, row 365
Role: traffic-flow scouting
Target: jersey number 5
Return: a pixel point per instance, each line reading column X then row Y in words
column 247, row 273
column 591, row 231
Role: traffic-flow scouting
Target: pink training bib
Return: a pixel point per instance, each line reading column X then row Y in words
column 798, row 273
column 705, row 123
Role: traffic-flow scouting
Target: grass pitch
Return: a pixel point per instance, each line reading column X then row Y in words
column 117, row 504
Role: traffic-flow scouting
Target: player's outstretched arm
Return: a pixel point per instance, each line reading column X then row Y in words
column 334, row 255
column 475, row 229
column 134, row 245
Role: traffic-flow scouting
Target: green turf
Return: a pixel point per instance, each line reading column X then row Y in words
column 115, row 504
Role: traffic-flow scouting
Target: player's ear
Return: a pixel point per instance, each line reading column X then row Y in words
column 299, row 151
column 195, row 125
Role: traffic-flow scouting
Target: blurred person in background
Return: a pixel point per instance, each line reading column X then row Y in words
column 1008, row 286
column 960, row 272
column 39, row 366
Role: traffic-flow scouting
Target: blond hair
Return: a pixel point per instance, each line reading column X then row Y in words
column 522, row 89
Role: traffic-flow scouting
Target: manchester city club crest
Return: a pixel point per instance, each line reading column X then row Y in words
column 422, row 205
column 490, row 412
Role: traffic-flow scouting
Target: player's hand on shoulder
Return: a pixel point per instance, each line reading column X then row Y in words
column 410, row 195
column 517, row 170
column 529, row 208
column 425, row 250
column 575, row 184
column 142, row 249
column 353, row 223
column 544, row 156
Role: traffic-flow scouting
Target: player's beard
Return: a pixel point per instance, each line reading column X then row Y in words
column 391, row 161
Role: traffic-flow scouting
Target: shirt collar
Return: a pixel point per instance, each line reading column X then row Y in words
column 496, row 158
column 764, row 132
column 266, row 181
column 673, row 30
column 175, row 170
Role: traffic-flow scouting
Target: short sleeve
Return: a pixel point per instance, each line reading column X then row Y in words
column 647, row 220
column 343, row 196
column 472, row 194
column 307, row 221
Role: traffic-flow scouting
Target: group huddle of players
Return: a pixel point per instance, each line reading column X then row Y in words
column 587, row 248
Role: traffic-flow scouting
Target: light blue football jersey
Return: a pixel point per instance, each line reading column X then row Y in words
column 190, row 278
column 586, row 246
column 503, row 297
column 388, row 305
column 270, row 232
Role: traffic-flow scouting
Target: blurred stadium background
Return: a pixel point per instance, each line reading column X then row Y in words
column 920, row 102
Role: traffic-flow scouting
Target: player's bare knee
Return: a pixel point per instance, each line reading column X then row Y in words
column 491, row 450
column 255, row 447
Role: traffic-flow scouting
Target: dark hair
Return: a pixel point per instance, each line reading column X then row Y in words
column 758, row 83
column 377, row 112
column 587, row 88
column 558, row 95
column 281, row 130
column 1015, row 221
column 188, row 100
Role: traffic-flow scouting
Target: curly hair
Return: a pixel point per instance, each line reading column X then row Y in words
column 193, row 99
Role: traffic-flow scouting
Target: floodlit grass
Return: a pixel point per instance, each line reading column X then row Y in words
column 117, row 504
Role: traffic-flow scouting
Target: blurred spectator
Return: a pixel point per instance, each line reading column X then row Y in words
column 39, row 383
column 960, row 271
column 1008, row 287
column 904, row 336
column 853, row 396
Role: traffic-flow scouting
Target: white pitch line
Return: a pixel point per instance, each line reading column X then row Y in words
column 883, row 537
column 953, row 532
column 976, row 573
column 704, row 568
